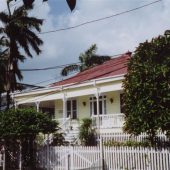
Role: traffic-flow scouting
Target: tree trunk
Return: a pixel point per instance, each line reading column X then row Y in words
column 0, row 101
column 152, row 136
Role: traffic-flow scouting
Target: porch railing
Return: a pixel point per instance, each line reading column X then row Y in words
column 115, row 120
column 64, row 123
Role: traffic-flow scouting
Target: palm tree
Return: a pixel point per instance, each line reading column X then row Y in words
column 87, row 60
column 3, row 64
column 19, row 31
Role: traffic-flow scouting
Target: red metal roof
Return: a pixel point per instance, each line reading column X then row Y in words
column 113, row 67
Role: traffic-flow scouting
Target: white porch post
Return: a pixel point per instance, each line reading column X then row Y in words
column 16, row 105
column 38, row 106
column 98, row 112
column 97, row 100
column 98, row 109
column 64, row 107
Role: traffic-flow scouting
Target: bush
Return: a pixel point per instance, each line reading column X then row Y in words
column 87, row 134
column 129, row 143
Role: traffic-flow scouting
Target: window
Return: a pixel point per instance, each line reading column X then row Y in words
column 72, row 109
column 49, row 111
column 102, row 105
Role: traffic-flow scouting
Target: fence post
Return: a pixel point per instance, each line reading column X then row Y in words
column 101, row 154
column 20, row 156
column 3, row 153
column 68, row 161
column 48, row 153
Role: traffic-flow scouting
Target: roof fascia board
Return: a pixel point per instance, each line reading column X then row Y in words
column 38, row 91
column 95, row 82
column 70, row 86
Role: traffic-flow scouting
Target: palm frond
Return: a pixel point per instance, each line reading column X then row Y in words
column 4, row 18
column 31, row 23
column 32, row 35
column 96, row 59
column 92, row 50
column 66, row 70
column 2, row 30
column 24, row 44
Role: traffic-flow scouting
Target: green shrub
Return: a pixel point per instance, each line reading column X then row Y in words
column 128, row 143
column 87, row 134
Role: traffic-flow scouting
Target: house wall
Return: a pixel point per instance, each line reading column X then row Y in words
column 58, row 109
column 84, row 111
column 115, row 106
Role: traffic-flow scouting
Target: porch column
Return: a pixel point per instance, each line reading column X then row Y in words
column 37, row 106
column 64, row 107
column 98, row 109
column 16, row 105
column 98, row 113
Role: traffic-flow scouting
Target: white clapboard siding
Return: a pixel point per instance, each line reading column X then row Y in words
column 115, row 158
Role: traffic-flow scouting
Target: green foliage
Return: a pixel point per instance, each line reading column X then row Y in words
column 19, row 128
column 59, row 140
column 18, row 31
column 147, row 88
column 87, row 60
column 129, row 143
column 22, row 122
column 87, row 133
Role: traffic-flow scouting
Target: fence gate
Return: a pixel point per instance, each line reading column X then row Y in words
column 85, row 158
column 69, row 158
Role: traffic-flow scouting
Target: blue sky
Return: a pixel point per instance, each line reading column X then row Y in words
column 112, row 36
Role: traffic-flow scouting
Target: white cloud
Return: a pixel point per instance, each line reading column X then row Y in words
column 3, row 5
column 115, row 35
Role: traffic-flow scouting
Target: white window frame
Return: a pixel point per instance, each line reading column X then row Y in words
column 71, row 109
column 93, row 99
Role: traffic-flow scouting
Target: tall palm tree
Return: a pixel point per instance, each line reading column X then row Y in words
column 20, row 31
column 3, row 64
column 87, row 60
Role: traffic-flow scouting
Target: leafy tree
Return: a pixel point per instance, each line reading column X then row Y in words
column 19, row 31
column 87, row 60
column 147, row 88
column 19, row 128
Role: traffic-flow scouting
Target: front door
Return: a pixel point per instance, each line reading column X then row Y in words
column 72, row 108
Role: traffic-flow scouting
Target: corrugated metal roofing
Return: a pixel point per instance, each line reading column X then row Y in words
column 113, row 67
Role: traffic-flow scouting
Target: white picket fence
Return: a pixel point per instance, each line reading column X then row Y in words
column 115, row 158
column 125, row 136
column 2, row 161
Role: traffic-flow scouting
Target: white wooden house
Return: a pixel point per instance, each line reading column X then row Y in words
column 94, row 93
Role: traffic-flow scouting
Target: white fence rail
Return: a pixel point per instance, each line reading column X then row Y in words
column 116, row 158
column 121, row 137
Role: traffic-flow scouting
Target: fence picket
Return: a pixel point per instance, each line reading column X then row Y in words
column 115, row 158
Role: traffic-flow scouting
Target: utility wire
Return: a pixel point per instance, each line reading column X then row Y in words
column 58, row 66
column 54, row 92
column 54, row 79
column 82, row 74
column 59, row 77
column 101, row 19
column 96, row 20
column 48, row 68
